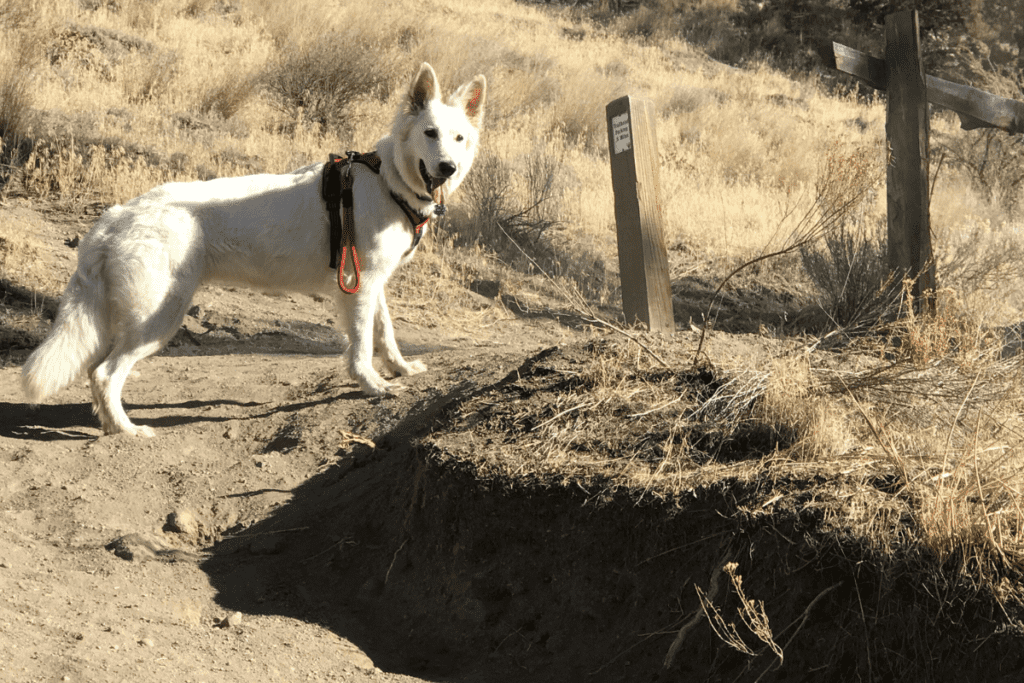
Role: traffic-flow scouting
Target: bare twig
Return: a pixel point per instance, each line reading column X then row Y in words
column 684, row 631
column 393, row 559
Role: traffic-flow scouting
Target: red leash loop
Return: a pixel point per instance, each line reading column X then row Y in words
column 341, row 270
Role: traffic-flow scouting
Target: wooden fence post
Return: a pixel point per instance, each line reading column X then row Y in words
column 906, row 128
column 643, row 259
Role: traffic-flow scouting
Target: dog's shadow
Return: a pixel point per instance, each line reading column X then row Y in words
column 67, row 421
column 76, row 421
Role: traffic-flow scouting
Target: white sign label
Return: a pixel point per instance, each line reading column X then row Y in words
column 620, row 133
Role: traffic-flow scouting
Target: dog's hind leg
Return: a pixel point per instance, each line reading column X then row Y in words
column 146, row 310
column 384, row 341
column 108, row 380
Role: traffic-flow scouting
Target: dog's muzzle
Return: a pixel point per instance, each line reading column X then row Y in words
column 447, row 170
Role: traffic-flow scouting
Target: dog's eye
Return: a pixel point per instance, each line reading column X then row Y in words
column 459, row 138
column 431, row 133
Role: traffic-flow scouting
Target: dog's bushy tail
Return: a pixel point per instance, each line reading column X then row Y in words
column 76, row 342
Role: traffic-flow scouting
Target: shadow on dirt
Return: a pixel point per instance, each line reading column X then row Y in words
column 57, row 422
column 318, row 557
column 48, row 422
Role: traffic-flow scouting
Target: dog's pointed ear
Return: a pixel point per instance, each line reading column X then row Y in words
column 424, row 88
column 470, row 96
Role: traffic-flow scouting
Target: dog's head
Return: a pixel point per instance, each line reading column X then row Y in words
column 437, row 139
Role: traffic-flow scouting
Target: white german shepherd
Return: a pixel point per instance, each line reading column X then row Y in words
column 141, row 264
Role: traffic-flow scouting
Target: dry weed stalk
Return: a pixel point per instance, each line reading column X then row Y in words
column 845, row 179
column 751, row 613
column 583, row 308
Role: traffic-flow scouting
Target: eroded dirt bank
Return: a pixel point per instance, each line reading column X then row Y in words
column 499, row 579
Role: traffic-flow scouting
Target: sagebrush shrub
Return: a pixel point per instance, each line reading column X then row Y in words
column 321, row 77
column 849, row 270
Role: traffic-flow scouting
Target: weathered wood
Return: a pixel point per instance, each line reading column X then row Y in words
column 976, row 108
column 643, row 259
column 906, row 128
column 870, row 70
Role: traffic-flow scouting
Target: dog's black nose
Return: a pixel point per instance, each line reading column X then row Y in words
column 446, row 168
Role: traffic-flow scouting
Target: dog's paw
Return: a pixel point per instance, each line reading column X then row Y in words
column 131, row 430
column 383, row 389
column 372, row 384
column 411, row 368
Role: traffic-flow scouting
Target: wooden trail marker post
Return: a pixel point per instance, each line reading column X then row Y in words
column 906, row 127
column 643, row 259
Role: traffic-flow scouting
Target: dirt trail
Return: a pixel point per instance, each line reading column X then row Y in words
column 248, row 405
column 237, row 432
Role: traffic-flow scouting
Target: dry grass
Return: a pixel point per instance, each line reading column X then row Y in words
column 24, row 256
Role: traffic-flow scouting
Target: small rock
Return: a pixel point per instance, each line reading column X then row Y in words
column 135, row 548
column 183, row 522
column 144, row 547
column 147, row 642
column 231, row 433
column 232, row 620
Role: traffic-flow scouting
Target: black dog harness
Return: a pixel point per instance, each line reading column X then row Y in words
column 336, row 190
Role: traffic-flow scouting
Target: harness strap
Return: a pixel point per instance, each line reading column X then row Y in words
column 336, row 190
column 330, row 190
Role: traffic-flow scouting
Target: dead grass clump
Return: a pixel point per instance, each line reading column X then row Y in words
column 707, row 23
column 519, row 208
column 227, row 97
column 606, row 415
column 148, row 77
column 94, row 49
column 316, row 76
column 71, row 171
column 943, row 410
column 978, row 256
column 992, row 160
column 520, row 198
column 577, row 111
column 318, row 80
column 20, row 58
column 793, row 401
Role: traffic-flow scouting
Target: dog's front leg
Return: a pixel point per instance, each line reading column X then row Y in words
column 360, row 336
column 384, row 341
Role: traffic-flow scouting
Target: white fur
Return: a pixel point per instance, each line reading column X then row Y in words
column 141, row 264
